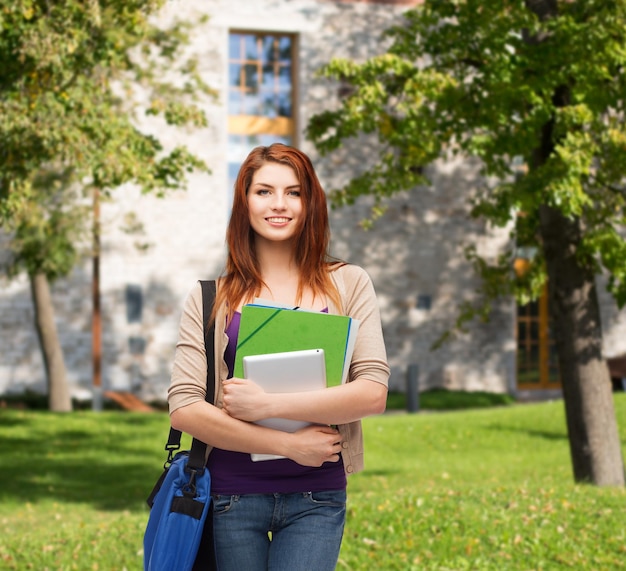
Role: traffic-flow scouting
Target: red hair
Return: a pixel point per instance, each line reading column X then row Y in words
column 242, row 279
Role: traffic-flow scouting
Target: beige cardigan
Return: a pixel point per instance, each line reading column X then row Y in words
column 358, row 300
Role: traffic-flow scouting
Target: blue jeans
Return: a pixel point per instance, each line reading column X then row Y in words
column 306, row 530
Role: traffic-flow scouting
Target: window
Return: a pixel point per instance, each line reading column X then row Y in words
column 537, row 364
column 260, row 94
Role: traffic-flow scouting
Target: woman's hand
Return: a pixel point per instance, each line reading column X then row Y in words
column 314, row 445
column 244, row 399
column 309, row 446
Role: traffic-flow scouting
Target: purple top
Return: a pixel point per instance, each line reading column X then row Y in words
column 236, row 473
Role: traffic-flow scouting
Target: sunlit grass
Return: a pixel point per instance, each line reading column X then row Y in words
column 483, row 489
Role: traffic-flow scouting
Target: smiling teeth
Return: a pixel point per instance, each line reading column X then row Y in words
column 278, row 220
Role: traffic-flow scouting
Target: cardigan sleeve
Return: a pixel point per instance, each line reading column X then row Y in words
column 369, row 360
column 188, row 382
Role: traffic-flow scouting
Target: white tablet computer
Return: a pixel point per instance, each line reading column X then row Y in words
column 287, row 372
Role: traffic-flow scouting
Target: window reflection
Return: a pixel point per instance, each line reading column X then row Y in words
column 260, row 75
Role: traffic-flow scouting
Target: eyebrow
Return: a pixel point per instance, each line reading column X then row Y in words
column 268, row 185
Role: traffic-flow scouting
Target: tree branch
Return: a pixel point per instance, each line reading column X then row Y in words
column 545, row 9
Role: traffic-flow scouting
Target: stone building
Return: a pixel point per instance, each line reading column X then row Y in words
column 262, row 58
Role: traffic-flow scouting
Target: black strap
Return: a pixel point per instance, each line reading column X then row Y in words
column 198, row 449
column 197, row 454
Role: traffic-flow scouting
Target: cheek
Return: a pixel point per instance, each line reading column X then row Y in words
column 301, row 210
column 253, row 206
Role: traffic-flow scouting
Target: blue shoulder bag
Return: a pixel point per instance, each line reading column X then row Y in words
column 179, row 533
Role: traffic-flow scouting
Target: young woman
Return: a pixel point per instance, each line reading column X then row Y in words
column 287, row 514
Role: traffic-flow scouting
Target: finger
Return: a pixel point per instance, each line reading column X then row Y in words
column 328, row 429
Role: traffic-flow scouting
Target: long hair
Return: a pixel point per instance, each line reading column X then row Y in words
column 242, row 279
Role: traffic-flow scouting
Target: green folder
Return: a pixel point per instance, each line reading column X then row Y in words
column 273, row 330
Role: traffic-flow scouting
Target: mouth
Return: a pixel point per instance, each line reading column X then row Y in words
column 278, row 220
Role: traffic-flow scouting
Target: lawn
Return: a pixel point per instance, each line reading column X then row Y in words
column 481, row 489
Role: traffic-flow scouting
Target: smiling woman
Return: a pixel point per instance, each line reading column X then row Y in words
column 278, row 249
column 274, row 203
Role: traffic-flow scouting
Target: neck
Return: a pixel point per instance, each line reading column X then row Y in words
column 279, row 271
column 276, row 258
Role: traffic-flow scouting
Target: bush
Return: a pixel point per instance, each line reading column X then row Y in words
column 442, row 399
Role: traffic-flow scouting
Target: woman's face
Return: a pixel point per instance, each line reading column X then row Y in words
column 274, row 203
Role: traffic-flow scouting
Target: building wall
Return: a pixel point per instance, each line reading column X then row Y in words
column 414, row 253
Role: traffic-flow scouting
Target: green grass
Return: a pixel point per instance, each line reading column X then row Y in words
column 482, row 489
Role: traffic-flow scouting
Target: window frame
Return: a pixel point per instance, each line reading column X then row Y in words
column 546, row 351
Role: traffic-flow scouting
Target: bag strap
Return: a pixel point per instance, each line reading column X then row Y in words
column 198, row 448
column 208, row 301
column 197, row 455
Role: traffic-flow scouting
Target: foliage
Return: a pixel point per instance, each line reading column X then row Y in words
column 442, row 400
column 481, row 489
column 76, row 79
column 50, row 227
column 487, row 79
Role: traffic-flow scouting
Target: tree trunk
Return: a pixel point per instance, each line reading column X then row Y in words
column 594, row 442
column 59, row 399
column 593, row 434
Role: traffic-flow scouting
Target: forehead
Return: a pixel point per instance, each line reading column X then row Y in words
column 275, row 174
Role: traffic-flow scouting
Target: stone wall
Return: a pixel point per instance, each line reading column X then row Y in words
column 414, row 253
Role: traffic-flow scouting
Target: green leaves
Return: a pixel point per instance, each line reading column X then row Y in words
column 59, row 91
column 538, row 98
column 48, row 228
column 611, row 246
column 73, row 75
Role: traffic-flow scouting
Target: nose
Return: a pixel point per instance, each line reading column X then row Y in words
column 279, row 201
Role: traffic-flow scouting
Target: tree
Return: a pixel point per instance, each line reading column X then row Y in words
column 537, row 83
column 46, row 231
column 73, row 75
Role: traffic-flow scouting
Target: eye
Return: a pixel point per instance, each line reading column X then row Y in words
column 294, row 193
column 263, row 192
